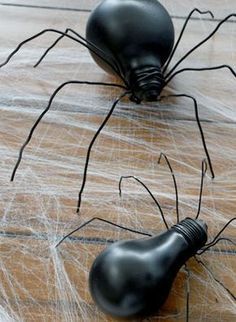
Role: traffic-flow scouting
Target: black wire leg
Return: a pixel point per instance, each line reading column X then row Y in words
column 215, row 243
column 86, row 43
column 199, row 44
column 182, row 32
column 174, row 182
column 204, row 170
column 150, row 193
column 46, row 110
column 54, row 44
column 91, row 47
column 199, row 126
column 91, row 145
column 216, row 239
column 200, row 70
column 104, row 221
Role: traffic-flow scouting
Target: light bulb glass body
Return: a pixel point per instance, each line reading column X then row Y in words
column 139, row 36
column 133, row 278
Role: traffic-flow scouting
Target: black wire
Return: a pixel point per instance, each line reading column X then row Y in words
column 87, row 42
column 200, row 43
column 181, row 34
column 66, row 35
column 203, row 250
column 150, row 193
column 54, row 44
column 204, row 170
column 199, row 70
column 199, row 126
column 221, row 231
column 91, row 145
column 174, row 181
column 46, row 110
column 107, row 222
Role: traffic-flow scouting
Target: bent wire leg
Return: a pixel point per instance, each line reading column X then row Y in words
column 91, row 145
column 46, row 110
column 85, row 42
column 91, row 47
column 182, row 32
column 216, row 239
column 215, row 243
column 200, row 69
column 53, row 45
column 200, row 44
column 199, row 127
column 150, row 193
column 105, row 221
column 204, row 170
column 174, row 182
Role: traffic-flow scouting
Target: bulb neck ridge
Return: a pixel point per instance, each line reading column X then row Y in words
column 194, row 231
column 146, row 83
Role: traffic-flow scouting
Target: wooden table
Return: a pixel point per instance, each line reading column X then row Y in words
column 42, row 283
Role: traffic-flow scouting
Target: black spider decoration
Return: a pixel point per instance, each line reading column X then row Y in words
column 125, row 252
column 129, row 88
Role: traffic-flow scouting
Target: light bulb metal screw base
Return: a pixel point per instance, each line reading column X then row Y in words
column 146, row 84
column 194, row 231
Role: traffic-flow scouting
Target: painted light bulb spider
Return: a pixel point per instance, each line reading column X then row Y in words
column 140, row 57
column 132, row 278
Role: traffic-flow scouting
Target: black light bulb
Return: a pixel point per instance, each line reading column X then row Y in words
column 138, row 35
column 133, row 278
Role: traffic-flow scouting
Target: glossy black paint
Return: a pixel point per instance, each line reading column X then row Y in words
column 139, row 36
column 133, row 278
